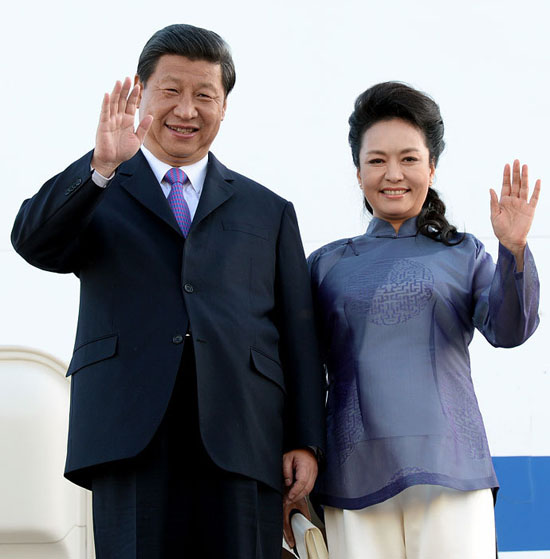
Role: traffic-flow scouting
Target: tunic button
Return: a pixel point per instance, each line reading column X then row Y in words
column 188, row 288
column 177, row 339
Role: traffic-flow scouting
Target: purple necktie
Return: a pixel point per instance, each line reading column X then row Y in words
column 175, row 178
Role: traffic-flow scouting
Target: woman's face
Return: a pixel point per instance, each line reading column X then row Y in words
column 395, row 170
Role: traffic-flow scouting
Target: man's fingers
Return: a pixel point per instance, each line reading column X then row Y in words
column 300, row 467
column 132, row 100
column 298, row 490
column 303, row 485
column 143, row 127
column 288, row 473
column 123, row 98
column 115, row 96
column 105, row 110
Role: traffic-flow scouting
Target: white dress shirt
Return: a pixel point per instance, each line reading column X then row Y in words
column 192, row 189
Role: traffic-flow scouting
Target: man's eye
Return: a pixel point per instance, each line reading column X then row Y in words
column 170, row 90
column 204, row 96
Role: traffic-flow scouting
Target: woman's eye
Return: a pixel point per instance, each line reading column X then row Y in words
column 410, row 159
column 375, row 161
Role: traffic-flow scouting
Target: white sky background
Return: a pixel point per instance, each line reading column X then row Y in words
column 300, row 66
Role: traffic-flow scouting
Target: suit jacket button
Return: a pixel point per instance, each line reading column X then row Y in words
column 177, row 339
column 188, row 288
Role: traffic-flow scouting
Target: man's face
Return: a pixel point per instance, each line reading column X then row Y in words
column 187, row 101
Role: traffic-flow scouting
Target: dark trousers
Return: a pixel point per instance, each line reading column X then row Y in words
column 172, row 498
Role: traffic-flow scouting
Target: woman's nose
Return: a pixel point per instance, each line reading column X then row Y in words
column 393, row 172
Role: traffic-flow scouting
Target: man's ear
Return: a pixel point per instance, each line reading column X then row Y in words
column 137, row 81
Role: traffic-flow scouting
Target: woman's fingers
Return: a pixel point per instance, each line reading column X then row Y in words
column 516, row 179
column 494, row 203
column 535, row 196
column 515, row 182
column 524, row 185
column 506, row 185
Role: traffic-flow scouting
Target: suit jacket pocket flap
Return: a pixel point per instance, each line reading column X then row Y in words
column 92, row 352
column 249, row 228
column 268, row 367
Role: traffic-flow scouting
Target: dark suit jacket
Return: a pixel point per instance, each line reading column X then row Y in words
column 239, row 282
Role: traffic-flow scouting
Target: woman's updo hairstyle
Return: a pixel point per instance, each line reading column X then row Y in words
column 388, row 100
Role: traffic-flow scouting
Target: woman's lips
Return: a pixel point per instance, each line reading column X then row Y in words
column 394, row 192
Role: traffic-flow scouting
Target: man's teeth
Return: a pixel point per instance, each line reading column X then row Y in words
column 182, row 130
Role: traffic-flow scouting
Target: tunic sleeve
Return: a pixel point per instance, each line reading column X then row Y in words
column 505, row 301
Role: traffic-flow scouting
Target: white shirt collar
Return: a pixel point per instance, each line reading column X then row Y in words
column 196, row 172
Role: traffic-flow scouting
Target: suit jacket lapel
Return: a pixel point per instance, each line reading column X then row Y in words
column 137, row 178
column 217, row 189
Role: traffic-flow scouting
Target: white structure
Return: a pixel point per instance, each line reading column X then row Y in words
column 42, row 515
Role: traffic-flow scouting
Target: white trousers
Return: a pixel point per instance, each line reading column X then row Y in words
column 421, row 522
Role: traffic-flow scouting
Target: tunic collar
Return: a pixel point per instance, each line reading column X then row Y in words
column 380, row 228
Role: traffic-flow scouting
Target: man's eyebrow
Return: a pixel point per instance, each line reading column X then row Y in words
column 175, row 79
column 169, row 78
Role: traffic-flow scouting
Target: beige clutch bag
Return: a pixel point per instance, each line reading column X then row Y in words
column 310, row 543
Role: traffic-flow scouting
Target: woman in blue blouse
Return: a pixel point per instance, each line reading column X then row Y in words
column 408, row 470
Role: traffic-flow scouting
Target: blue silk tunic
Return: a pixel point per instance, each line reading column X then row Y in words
column 396, row 313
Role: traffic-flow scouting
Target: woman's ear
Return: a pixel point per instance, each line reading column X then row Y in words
column 432, row 173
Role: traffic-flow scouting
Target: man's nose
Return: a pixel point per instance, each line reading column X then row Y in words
column 393, row 171
column 185, row 108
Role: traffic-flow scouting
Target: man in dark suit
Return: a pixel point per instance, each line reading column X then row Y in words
column 196, row 391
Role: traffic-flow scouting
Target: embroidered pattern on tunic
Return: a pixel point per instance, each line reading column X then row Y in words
column 344, row 424
column 391, row 292
column 462, row 412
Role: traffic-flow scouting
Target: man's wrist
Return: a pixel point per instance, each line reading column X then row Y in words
column 101, row 180
column 317, row 452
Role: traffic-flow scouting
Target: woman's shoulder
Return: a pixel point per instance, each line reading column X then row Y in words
column 324, row 258
column 469, row 242
column 464, row 242
column 334, row 246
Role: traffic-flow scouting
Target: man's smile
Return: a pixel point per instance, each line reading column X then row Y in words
column 183, row 129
